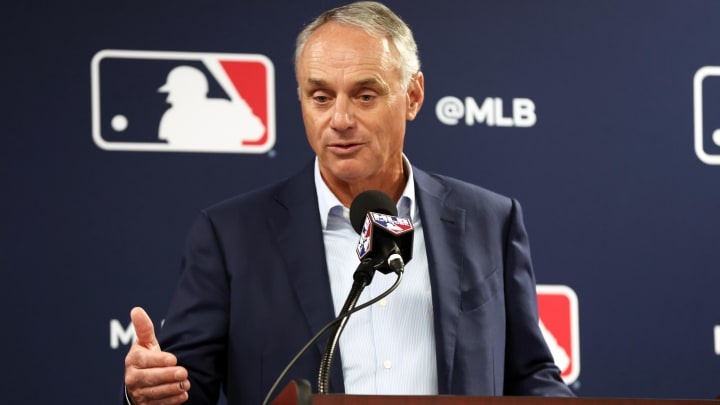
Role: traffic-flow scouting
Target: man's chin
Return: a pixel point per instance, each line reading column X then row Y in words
column 347, row 171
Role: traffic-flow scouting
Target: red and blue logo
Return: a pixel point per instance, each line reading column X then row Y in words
column 390, row 223
column 559, row 323
column 183, row 101
column 387, row 223
column 364, row 244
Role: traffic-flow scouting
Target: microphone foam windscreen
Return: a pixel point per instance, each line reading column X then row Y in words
column 370, row 201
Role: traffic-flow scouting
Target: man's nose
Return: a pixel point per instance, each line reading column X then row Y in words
column 342, row 115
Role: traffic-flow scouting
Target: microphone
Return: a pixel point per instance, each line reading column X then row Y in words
column 370, row 200
column 385, row 245
column 388, row 241
column 385, row 239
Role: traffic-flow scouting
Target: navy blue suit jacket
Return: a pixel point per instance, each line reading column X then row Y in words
column 254, row 289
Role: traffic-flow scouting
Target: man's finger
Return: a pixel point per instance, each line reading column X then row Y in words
column 144, row 329
column 173, row 393
column 140, row 357
column 152, row 377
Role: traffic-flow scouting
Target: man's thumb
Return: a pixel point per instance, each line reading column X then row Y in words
column 144, row 329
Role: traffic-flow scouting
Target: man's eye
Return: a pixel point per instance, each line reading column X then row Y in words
column 321, row 99
column 367, row 97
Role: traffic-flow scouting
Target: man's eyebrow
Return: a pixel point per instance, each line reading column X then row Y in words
column 374, row 83
column 317, row 82
column 371, row 81
column 367, row 82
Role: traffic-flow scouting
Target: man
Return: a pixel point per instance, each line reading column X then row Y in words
column 256, row 287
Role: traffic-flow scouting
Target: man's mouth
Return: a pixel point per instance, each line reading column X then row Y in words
column 345, row 148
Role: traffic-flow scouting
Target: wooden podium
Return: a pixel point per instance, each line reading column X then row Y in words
column 299, row 393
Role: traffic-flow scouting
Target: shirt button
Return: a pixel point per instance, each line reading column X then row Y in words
column 383, row 302
column 387, row 364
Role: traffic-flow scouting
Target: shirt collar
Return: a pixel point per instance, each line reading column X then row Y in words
column 327, row 201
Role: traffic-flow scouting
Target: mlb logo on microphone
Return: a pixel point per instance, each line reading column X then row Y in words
column 389, row 223
column 183, row 101
column 559, row 323
column 365, row 237
column 393, row 224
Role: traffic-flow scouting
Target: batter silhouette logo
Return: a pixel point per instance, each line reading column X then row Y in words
column 558, row 312
column 706, row 106
column 182, row 101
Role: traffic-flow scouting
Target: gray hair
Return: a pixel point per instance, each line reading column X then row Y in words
column 377, row 20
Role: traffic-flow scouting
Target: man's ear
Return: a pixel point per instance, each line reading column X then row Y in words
column 415, row 95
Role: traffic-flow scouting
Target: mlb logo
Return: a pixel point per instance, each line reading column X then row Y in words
column 392, row 224
column 558, row 312
column 706, row 116
column 183, row 101
column 365, row 237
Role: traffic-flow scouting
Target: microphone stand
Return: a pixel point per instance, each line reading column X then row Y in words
column 362, row 277
column 322, row 332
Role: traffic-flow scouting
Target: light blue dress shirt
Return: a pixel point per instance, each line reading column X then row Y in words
column 388, row 348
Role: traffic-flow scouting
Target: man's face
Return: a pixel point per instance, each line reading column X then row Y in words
column 353, row 104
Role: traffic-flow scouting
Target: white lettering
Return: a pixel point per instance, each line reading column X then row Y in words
column 524, row 112
column 379, row 217
column 474, row 114
column 120, row 335
column 501, row 120
column 717, row 340
column 450, row 110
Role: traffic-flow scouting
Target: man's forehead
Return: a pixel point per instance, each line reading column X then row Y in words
column 330, row 50
column 363, row 70
column 335, row 43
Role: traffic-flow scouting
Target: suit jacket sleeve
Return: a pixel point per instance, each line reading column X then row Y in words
column 529, row 367
column 196, row 325
column 253, row 290
column 484, row 302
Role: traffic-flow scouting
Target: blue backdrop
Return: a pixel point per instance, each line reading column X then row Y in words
column 595, row 114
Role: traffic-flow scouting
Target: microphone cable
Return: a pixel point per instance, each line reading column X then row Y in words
column 332, row 323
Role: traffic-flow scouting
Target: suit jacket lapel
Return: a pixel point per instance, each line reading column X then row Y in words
column 295, row 222
column 297, row 226
column 443, row 226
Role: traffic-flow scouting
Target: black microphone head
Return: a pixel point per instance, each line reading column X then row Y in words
column 370, row 201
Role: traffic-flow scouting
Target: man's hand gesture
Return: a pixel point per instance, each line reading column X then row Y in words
column 151, row 375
